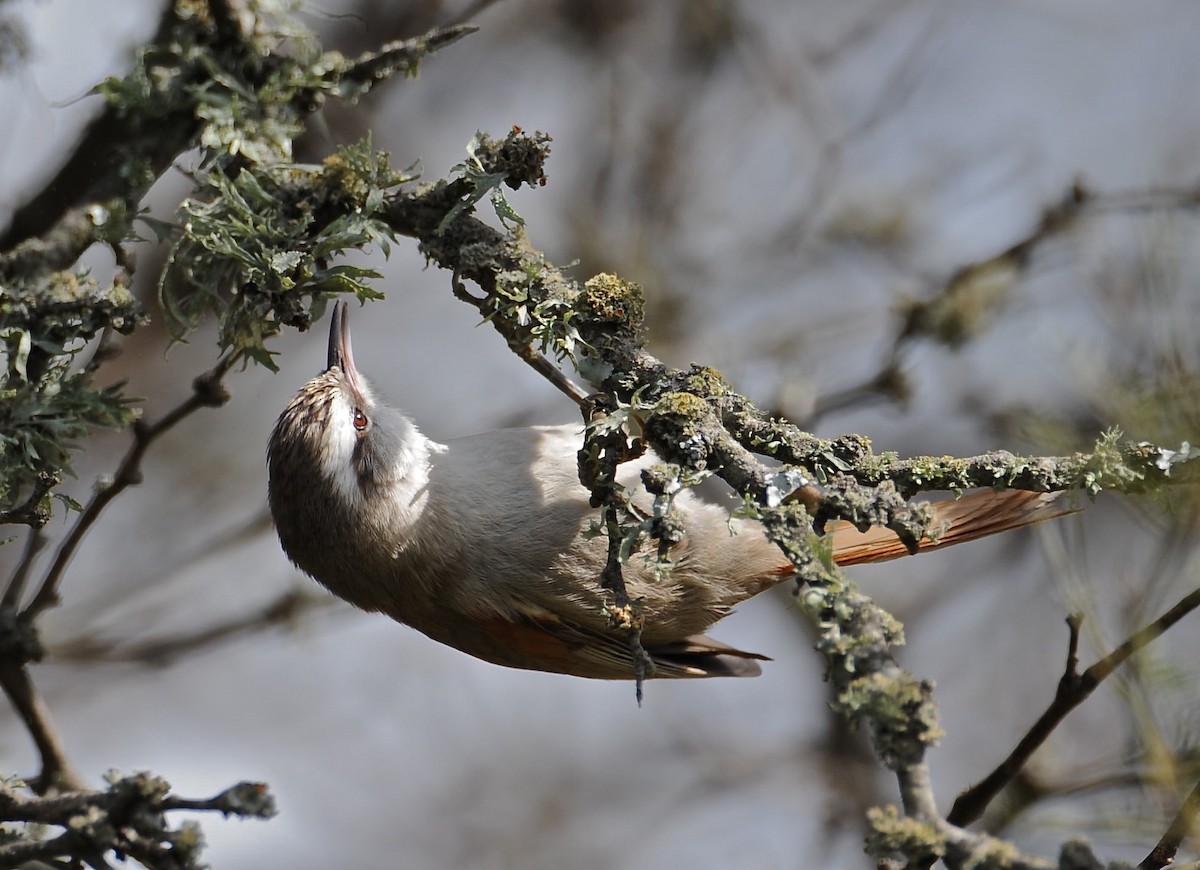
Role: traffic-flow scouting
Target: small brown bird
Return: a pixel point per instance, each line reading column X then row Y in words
column 477, row 542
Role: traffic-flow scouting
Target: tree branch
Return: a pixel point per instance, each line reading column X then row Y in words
column 128, row 818
column 163, row 651
column 211, row 78
column 963, row 305
column 1184, row 824
column 56, row 772
column 1073, row 690
column 207, row 392
column 353, row 79
column 91, row 173
column 696, row 421
column 34, row 541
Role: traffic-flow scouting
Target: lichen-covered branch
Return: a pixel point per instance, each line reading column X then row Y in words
column 206, row 79
column 212, row 79
column 128, row 818
column 215, row 79
column 258, row 246
column 604, row 448
column 694, row 420
column 350, row 80
column 533, row 304
column 699, row 425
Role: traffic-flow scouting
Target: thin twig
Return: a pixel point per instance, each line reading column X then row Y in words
column 245, row 798
column 889, row 384
column 1073, row 689
column 546, row 369
column 163, row 651
column 32, row 512
column 526, row 351
column 1074, row 624
column 56, row 770
column 16, row 585
column 1184, row 823
column 207, row 392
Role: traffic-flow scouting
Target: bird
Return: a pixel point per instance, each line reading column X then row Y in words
column 479, row 542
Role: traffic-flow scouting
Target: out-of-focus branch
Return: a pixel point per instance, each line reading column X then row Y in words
column 56, row 772
column 1184, row 823
column 965, row 302
column 207, row 392
column 34, row 542
column 889, row 384
column 18, row 640
column 1073, row 689
column 958, row 308
column 91, row 173
column 59, row 245
column 1026, row 789
column 163, row 651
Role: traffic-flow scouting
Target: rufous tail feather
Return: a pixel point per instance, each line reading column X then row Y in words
column 977, row 515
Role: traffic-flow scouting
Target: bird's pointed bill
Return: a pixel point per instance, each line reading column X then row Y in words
column 340, row 353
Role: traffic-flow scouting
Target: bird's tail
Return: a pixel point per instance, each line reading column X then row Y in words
column 977, row 515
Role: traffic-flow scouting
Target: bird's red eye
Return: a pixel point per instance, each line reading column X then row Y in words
column 360, row 420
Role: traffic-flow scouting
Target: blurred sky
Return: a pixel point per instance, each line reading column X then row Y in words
column 779, row 175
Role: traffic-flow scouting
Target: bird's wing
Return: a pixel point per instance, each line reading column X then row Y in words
column 546, row 642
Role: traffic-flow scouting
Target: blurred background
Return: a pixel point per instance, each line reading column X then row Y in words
column 818, row 198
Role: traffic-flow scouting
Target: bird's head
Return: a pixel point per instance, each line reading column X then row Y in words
column 335, row 437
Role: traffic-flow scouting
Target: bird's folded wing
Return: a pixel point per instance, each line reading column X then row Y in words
column 546, row 642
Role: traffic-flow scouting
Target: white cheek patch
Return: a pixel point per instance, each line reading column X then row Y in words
column 337, row 452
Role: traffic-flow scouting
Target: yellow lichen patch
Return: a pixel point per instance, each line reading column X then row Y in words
column 705, row 381
column 608, row 298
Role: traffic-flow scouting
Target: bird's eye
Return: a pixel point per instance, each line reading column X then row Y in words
column 360, row 420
